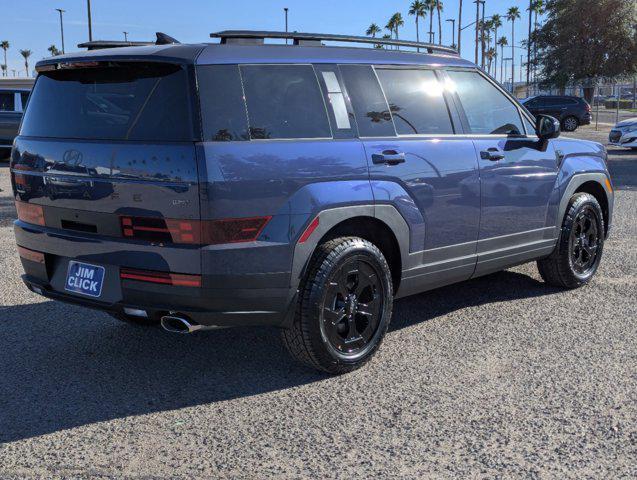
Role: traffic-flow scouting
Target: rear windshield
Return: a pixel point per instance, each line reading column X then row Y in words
column 132, row 101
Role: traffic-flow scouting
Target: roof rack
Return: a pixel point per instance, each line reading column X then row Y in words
column 301, row 38
column 162, row 39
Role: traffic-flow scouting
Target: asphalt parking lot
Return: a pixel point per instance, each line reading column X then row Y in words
column 496, row 377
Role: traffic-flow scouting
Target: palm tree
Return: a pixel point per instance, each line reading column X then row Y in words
column 53, row 50
column 430, row 5
column 395, row 21
column 538, row 9
column 26, row 54
column 372, row 30
column 5, row 46
column 390, row 26
column 4, row 70
column 496, row 21
column 439, row 9
column 485, row 38
column 502, row 42
column 490, row 54
column 513, row 14
column 418, row 9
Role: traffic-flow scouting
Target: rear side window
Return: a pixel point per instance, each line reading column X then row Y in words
column 488, row 110
column 416, row 101
column 7, row 102
column 370, row 107
column 284, row 101
column 223, row 111
column 129, row 101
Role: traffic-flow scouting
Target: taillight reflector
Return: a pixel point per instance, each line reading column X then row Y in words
column 30, row 213
column 208, row 232
column 31, row 255
column 165, row 278
column 309, row 230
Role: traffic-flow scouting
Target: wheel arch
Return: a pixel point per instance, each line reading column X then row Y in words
column 596, row 184
column 381, row 224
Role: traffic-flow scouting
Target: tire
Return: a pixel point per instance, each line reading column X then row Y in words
column 344, row 308
column 579, row 250
column 144, row 322
column 570, row 124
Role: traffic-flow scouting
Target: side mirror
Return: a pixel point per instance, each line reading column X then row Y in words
column 547, row 127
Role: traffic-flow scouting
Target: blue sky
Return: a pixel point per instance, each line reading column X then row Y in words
column 34, row 24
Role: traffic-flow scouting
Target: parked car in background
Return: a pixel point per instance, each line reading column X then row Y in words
column 12, row 104
column 301, row 186
column 570, row 111
column 624, row 134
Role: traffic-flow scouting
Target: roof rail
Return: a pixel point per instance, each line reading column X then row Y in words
column 302, row 38
column 162, row 39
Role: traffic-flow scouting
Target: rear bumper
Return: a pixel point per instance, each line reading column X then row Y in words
column 223, row 300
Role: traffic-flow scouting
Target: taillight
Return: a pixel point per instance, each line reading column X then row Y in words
column 588, row 108
column 30, row 213
column 164, row 278
column 208, row 232
column 31, row 255
column 233, row 230
column 161, row 229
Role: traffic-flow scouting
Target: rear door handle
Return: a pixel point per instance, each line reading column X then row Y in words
column 388, row 157
column 492, row 154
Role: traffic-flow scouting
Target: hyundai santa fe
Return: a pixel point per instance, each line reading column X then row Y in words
column 300, row 186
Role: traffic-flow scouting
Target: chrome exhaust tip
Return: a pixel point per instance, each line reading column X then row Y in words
column 175, row 324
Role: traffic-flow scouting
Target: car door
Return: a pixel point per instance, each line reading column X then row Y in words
column 420, row 166
column 518, row 173
column 9, row 118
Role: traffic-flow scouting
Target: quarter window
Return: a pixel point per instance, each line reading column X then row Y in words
column 370, row 107
column 284, row 101
column 416, row 101
column 488, row 111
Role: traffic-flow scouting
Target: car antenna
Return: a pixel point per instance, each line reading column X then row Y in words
column 163, row 39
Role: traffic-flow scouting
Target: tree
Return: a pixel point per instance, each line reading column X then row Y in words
column 538, row 9
column 513, row 14
column 568, row 52
column 485, row 38
column 4, row 70
column 391, row 25
column 418, row 9
column 373, row 30
column 439, row 9
column 26, row 54
column 430, row 5
column 5, row 46
column 490, row 54
column 496, row 22
column 53, row 50
column 502, row 42
column 397, row 20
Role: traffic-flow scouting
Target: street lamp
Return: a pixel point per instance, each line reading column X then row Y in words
column 90, row 26
column 477, row 23
column 453, row 30
column 286, row 22
column 61, row 26
column 125, row 36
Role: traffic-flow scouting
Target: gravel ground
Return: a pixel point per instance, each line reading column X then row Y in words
column 496, row 377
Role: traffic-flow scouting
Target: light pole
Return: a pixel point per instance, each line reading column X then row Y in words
column 453, row 31
column 477, row 23
column 482, row 32
column 286, row 22
column 90, row 26
column 125, row 36
column 61, row 26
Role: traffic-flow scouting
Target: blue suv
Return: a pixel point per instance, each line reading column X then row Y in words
column 299, row 186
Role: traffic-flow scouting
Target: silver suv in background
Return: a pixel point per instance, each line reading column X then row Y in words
column 12, row 103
